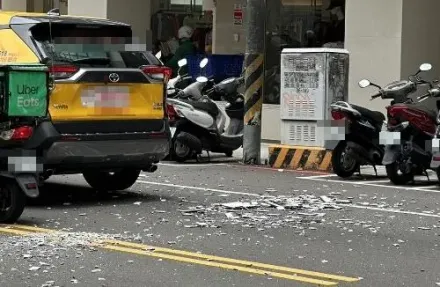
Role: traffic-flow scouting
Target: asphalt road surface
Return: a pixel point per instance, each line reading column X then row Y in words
column 226, row 225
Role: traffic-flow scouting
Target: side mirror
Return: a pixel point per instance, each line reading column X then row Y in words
column 364, row 83
column 425, row 67
column 202, row 79
column 158, row 54
column 203, row 63
column 182, row 63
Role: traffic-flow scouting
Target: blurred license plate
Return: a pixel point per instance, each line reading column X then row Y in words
column 22, row 164
column 106, row 97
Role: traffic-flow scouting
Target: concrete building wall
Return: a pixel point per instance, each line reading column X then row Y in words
column 373, row 37
column 227, row 37
column 138, row 15
column 14, row 5
column 98, row 9
column 420, row 38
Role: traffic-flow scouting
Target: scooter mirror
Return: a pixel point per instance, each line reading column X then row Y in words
column 425, row 67
column 182, row 63
column 364, row 83
column 159, row 55
column 202, row 79
column 203, row 63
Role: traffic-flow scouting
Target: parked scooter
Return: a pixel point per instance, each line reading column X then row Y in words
column 26, row 133
column 435, row 145
column 202, row 122
column 193, row 91
column 362, row 144
column 411, row 125
column 178, row 82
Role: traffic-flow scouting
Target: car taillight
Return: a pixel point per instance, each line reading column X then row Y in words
column 172, row 114
column 158, row 72
column 337, row 115
column 63, row 71
column 20, row 133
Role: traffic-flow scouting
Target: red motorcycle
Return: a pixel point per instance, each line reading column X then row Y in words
column 413, row 126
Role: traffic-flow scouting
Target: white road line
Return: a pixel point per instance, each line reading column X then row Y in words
column 199, row 188
column 370, row 181
column 316, row 176
column 390, row 210
column 191, row 165
column 257, row 195
column 372, row 184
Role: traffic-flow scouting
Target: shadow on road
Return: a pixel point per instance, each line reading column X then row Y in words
column 69, row 195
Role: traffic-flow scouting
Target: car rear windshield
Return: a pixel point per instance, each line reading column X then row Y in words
column 90, row 45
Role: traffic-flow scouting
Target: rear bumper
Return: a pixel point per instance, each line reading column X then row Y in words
column 77, row 156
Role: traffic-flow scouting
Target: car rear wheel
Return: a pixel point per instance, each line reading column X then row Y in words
column 109, row 181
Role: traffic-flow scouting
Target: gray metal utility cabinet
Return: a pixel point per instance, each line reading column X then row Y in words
column 311, row 79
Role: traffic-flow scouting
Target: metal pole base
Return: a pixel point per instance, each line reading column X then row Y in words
column 252, row 144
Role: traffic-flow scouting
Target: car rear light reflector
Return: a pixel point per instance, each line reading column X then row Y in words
column 158, row 72
column 20, row 133
column 63, row 71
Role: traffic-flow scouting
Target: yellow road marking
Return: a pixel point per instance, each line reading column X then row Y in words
column 32, row 228
column 282, row 272
column 221, row 265
column 15, row 232
column 234, row 261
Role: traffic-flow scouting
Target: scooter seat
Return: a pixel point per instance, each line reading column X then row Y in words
column 377, row 117
column 208, row 107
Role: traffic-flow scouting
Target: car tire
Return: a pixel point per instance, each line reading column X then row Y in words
column 106, row 181
column 17, row 204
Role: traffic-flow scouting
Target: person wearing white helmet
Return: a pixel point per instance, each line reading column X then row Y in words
column 186, row 48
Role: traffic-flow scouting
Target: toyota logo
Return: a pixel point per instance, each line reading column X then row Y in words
column 113, row 77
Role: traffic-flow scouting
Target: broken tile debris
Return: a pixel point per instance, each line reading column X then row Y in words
column 258, row 213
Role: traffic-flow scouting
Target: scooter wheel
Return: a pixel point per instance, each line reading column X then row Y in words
column 396, row 177
column 180, row 152
column 343, row 165
column 12, row 202
column 229, row 153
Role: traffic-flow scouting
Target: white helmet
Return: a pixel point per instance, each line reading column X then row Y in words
column 185, row 32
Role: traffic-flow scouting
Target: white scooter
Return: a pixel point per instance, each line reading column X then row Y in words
column 178, row 82
column 202, row 122
column 192, row 92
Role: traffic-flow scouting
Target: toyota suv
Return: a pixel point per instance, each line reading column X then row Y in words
column 107, row 99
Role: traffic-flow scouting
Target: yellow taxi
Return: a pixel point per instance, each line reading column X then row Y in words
column 107, row 99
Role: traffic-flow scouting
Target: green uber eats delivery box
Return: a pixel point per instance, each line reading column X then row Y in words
column 24, row 90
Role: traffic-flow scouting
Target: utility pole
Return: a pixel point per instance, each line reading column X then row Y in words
column 254, row 77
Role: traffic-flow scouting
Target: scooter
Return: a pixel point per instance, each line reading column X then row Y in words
column 178, row 82
column 435, row 145
column 24, row 140
column 414, row 126
column 365, row 140
column 202, row 122
column 193, row 91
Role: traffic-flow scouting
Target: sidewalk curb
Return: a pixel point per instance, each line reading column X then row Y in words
column 300, row 158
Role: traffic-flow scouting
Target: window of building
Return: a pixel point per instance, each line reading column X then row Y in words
column 299, row 24
column 186, row 5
